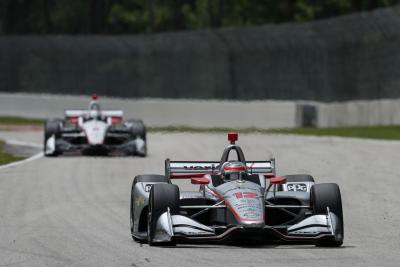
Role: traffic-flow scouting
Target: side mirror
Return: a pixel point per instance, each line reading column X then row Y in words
column 201, row 180
column 277, row 180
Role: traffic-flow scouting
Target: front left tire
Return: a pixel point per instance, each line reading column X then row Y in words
column 52, row 127
column 323, row 196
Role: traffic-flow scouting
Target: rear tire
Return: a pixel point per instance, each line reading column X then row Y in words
column 146, row 178
column 162, row 197
column 52, row 127
column 328, row 195
column 137, row 128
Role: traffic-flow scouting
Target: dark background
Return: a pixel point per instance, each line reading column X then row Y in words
column 202, row 49
column 149, row 16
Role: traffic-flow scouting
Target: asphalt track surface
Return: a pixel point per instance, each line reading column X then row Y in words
column 74, row 211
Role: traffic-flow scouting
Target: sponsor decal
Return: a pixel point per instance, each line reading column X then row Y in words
column 198, row 167
column 147, row 187
column 297, row 187
column 139, row 201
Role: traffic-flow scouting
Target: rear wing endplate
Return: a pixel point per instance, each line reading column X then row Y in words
column 189, row 169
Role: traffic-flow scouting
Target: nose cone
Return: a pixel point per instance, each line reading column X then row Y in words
column 95, row 132
column 246, row 203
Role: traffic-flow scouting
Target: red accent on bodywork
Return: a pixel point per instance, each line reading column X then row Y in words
column 94, row 96
column 240, row 168
column 73, row 120
column 116, row 120
column 245, row 195
column 199, row 180
column 277, row 180
column 233, row 137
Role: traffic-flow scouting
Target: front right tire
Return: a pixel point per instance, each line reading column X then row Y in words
column 146, row 178
column 162, row 197
column 323, row 196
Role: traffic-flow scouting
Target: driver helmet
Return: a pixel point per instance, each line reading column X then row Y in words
column 94, row 109
column 234, row 170
column 94, row 113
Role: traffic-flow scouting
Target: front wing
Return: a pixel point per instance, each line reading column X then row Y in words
column 178, row 228
column 61, row 145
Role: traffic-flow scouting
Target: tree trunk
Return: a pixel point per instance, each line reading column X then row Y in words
column 178, row 16
column 47, row 25
column 215, row 13
column 10, row 16
column 152, row 23
column 99, row 12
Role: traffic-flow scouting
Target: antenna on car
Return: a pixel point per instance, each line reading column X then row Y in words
column 233, row 137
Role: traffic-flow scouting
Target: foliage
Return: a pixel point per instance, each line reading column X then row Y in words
column 11, row 120
column 147, row 16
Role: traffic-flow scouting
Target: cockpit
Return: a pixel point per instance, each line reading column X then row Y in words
column 94, row 112
column 233, row 170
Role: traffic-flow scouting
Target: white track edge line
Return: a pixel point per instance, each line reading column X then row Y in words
column 21, row 143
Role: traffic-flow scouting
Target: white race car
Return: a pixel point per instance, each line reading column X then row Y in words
column 95, row 131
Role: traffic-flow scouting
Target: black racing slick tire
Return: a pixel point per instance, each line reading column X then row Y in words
column 162, row 197
column 52, row 127
column 138, row 128
column 328, row 195
column 146, row 178
column 299, row 178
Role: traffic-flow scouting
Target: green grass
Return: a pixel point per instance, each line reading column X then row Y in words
column 372, row 132
column 375, row 132
column 189, row 129
column 10, row 120
column 5, row 157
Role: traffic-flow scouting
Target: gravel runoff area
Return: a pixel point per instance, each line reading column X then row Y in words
column 75, row 210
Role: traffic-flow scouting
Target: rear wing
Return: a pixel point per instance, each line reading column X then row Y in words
column 189, row 169
column 80, row 113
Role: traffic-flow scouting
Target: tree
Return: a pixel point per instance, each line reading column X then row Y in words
column 99, row 12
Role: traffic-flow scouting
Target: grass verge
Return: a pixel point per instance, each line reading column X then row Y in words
column 375, row 132
column 5, row 157
column 10, row 120
column 371, row 132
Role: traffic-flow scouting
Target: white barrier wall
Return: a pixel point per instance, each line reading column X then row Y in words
column 212, row 113
column 359, row 113
column 160, row 112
